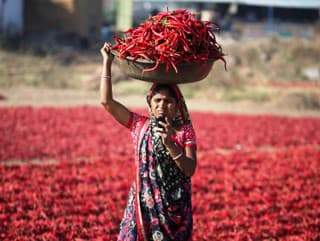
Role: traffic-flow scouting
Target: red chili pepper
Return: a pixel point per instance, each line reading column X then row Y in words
column 171, row 37
column 153, row 68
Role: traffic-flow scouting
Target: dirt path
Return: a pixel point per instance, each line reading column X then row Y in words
column 39, row 97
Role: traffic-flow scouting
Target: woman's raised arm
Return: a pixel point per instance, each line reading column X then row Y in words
column 116, row 109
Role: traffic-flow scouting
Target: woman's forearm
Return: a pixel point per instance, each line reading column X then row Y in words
column 105, row 84
column 186, row 164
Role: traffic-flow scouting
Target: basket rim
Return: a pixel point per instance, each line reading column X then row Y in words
column 145, row 61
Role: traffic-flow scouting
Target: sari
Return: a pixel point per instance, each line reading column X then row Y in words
column 159, row 206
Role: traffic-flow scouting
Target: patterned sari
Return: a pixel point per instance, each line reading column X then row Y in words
column 159, row 205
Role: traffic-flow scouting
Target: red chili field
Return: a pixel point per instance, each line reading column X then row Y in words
column 65, row 174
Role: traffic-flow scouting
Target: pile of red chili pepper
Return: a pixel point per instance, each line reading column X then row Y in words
column 171, row 37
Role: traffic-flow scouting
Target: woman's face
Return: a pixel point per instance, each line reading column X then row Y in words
column 162, row 103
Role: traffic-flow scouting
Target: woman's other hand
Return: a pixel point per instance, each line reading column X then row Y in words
column 165, row 132
column 106, row 53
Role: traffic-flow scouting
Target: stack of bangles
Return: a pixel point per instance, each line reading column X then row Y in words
column 177, row 156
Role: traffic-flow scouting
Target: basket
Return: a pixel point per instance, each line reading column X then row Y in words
column 187, row 72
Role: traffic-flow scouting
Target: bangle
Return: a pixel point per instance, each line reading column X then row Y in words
column 105, row 76
column 177, row 156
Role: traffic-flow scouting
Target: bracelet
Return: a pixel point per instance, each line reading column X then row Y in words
column 105, row 76
column 177, row 156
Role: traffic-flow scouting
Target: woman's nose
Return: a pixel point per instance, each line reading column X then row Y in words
column 161, row 103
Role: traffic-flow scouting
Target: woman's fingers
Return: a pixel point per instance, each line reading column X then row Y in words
column 106, row 51
column 159, row 129
column 106, row 47
column 166, row 125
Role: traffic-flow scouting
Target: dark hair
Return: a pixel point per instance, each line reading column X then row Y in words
column 166, row 87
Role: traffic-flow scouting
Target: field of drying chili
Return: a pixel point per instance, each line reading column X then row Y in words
column 65, row 175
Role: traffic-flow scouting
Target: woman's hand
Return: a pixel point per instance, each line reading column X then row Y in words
column 165, row 132
column 106, row 53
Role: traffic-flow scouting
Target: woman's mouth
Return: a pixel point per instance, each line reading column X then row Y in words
column 160, row 113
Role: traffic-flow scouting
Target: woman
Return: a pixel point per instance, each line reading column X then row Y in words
column 159, row 205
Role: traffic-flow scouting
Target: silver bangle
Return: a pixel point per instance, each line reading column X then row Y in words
column 177, row 156
column 105, row 76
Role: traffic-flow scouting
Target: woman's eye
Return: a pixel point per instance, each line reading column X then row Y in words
column 166, row 101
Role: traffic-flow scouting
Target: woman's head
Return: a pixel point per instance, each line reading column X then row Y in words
column 163, row 100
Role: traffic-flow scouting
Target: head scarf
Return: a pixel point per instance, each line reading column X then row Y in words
column 182, row 115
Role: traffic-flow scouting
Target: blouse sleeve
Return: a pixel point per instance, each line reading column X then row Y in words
column 189, row 136
column 135, row 124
